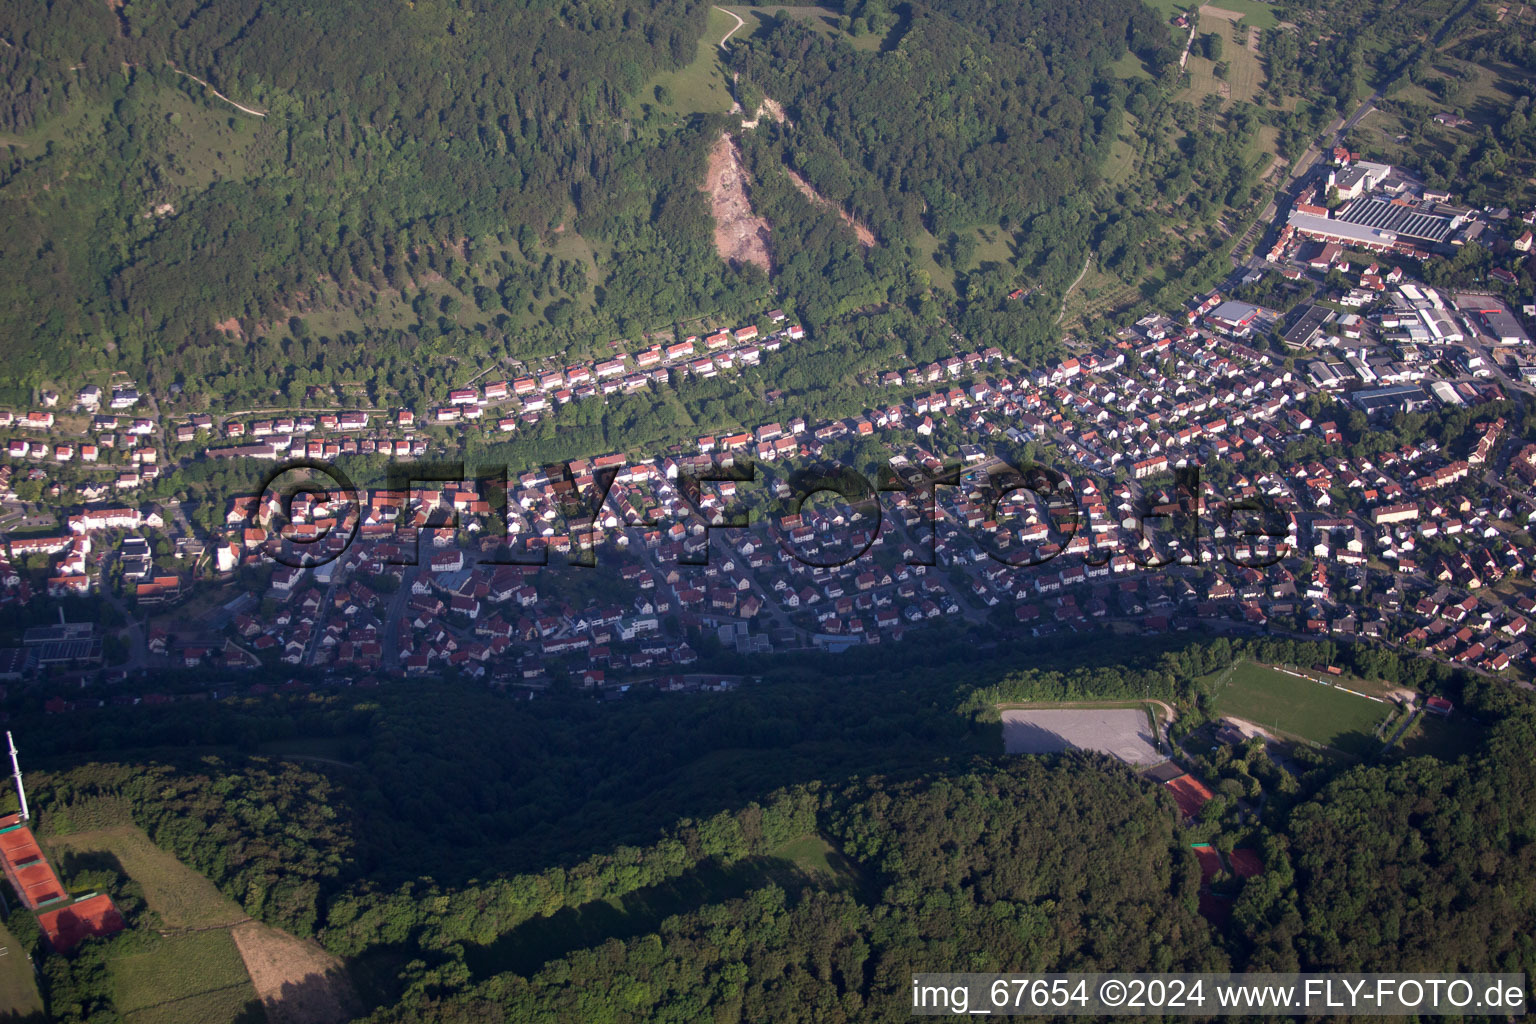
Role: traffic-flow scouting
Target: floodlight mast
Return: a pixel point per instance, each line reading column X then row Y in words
column 21, row 790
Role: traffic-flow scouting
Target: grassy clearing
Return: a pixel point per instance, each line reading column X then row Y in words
column 19, row 998
column 332, row 323
column 1381, row 132
column 993, row 245
column 818, row 859
column 1130, row 66
column 1122, row 155
column 702, row 87
column 940, row 277
column 200, row 148
column 1169, row 8
column 1254, row 12
column 821, row 20
column 1309, row 711
column 824, row 21
column 78, row 119
column 182, row 897
column 569, row 245
column 1203, row 81
column 1245, row 74
column 1267, row 140
column 327, row 747
column 208, row 143
column 193, row 978
column 1487, row 96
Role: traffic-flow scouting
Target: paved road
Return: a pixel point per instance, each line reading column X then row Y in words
column 1184, row 57
column 1360, row 114
column 391, row 618
column 138, row 650
column 327, row 608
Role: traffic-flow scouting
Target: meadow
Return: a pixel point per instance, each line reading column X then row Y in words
column 197, row 978
column 19, row 998
column 183, row 898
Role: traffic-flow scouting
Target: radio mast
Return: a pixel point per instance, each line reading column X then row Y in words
column 21, row 791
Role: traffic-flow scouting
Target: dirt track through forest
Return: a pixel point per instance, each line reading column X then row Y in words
column 866, row 237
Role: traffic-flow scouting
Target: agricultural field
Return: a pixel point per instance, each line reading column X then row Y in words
column 1125, row 733
column 1096, row 295
column 1289, row 706
column 296, row 980
column 1122, row 155
column 196, row 978
column 1245, row 71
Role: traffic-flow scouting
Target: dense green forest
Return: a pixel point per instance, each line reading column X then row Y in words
column 793, row 850
column 983, row 113
column 439, row 182
column 430, row 187
column 426, row 188
column 389, row 130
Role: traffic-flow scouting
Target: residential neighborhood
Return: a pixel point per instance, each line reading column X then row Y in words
column 1413, row 544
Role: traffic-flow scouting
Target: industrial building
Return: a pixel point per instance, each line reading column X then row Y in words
column 1401, row 219
column 1390, row 400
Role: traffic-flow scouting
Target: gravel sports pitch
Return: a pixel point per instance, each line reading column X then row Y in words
column 1125, row 733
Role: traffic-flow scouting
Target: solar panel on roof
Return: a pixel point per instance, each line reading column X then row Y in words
column 1402, row 220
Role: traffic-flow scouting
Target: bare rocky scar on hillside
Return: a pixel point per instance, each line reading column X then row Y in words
column 740, row 235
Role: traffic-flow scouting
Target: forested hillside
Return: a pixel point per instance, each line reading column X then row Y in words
column 983, row 113
column 793, row 851
column 388, row 127
column 385, row 193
